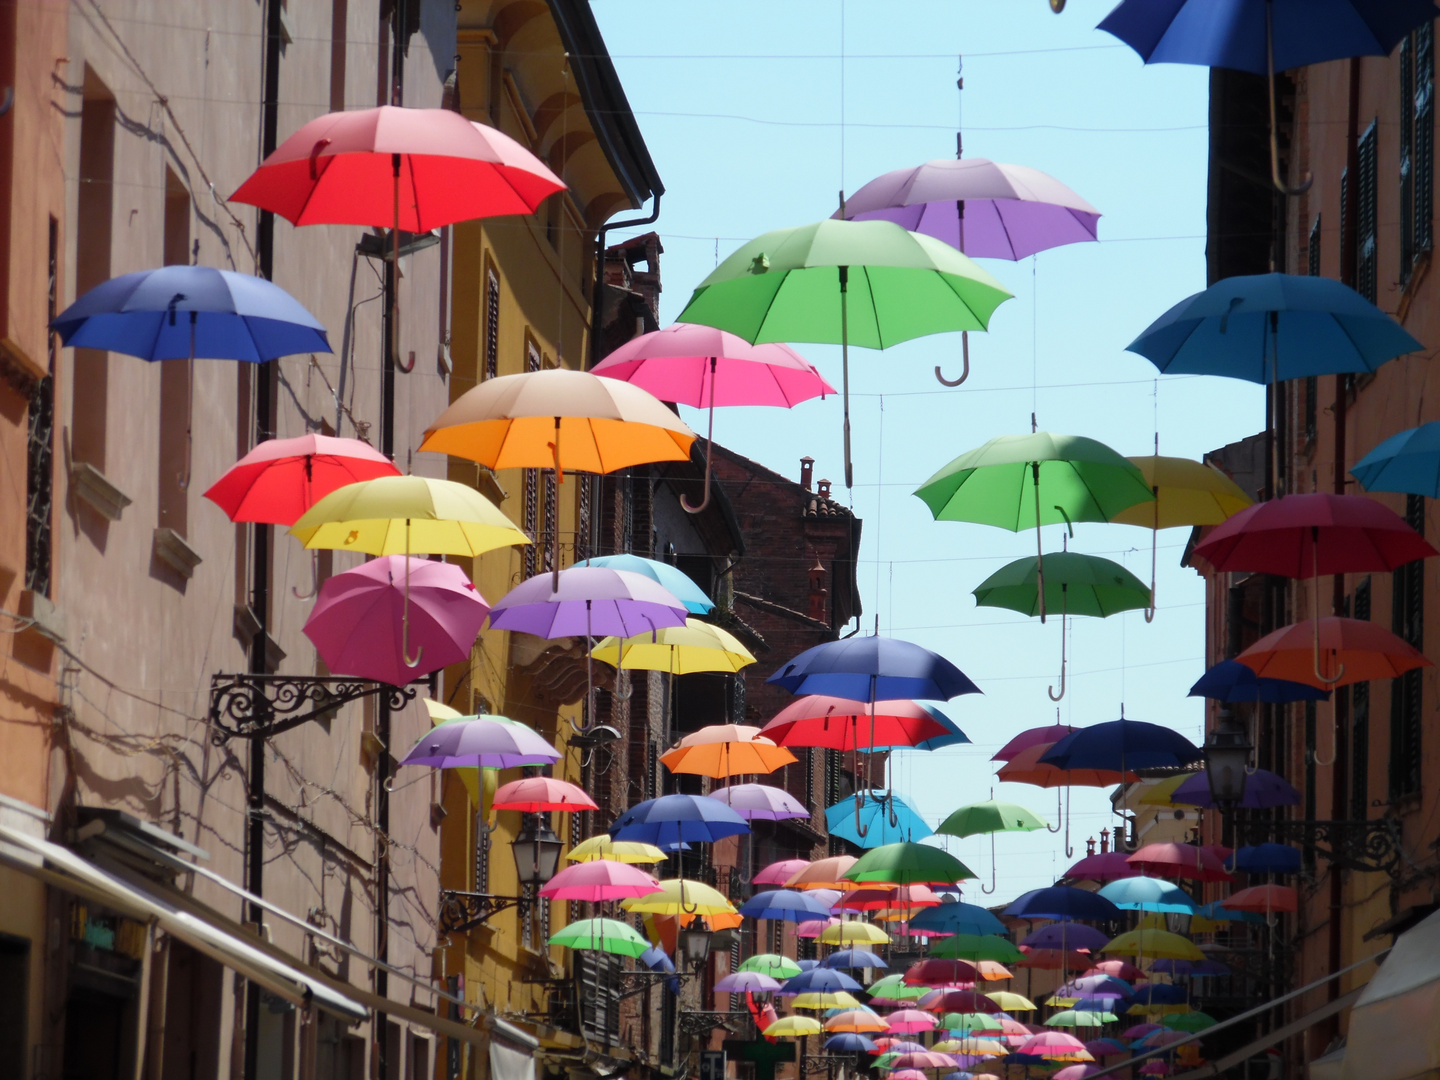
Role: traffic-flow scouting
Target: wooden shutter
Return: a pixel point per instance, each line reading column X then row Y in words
column 492, row 323
column 1424, row 143
column 1366, row 184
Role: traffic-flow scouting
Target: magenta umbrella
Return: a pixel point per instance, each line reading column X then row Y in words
column 358, row 621
column 703, row 367
column 813, row 928
column 1104, row 867
column 600, row 879
column 907, row 1021
column 762, row 802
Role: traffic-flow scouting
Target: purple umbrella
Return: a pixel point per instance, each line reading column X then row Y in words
column 1062, row 936
column 491, row 742
column 760, row 802
column 357, row 623
column 740, row 982
column 1263, row 789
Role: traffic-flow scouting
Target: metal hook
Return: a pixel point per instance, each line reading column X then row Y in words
column 1069, row 851
column 709, row 449
column 1059, row 813
column 314, row 579
column 1154, row 542
column 405, row 621
column 965, row 374
column 1068, row 523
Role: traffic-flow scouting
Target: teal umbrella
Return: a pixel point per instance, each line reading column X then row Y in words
column 797, row 284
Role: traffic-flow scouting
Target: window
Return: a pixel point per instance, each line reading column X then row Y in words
column 1360, row 721
column 1407, row 622
column 492, row 323
column 40, row 447
column 1365, row 219
column 176, row 379
column 1417, row 146
column 531, row 524
column 552, row 519
column 584, row 497
column 94, row 225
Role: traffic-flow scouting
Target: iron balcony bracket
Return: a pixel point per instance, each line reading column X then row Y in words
column 462, row 911
column 259, row 706
column 1370, row 846
column 696, row 1023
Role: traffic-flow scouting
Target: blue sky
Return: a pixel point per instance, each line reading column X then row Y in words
column 741, row 105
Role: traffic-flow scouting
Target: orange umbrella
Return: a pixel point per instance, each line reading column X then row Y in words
column 1263, row 899
column 825, row 874
column 725, row 750
column 1365, row 649
column 1027, row 768
column 1180, row 861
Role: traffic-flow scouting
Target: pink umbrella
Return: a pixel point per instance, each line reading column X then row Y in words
column 1155, row 1068
column 1035, row 736
column 778, row 873
column 358, row 621
column 599, row 879
column 706, row 367
column 538, row 794
column 924, row 1059
column 1103, row 867
column 1077, row 1072
column 913, row 1074
column 1120, row 969
column 1180, row 861
column 938, row 972
column 1139, row 1031
column 891, row 1045
column 813, row 928
column 1057, row 1046
column 908, row 1021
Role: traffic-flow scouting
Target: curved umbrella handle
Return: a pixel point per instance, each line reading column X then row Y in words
column 1339, row 674
column 1069, row 851
column 861, row 830
column 1154, row 544
column 1059, row 813
column 1334, row 739
column 965, row 374
column 1050, row 689
column 1274, row 139
column 314, row 579
column 688, row 909
column 405, row 621
column 1068, row 523
column 709, row 449
column 991, row 889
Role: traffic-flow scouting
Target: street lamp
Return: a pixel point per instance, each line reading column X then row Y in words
column 1227, row 761
column 537, row 853
column 694, row 942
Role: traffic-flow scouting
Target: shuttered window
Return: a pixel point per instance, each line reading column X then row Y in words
column 492, row 324
column 598, row 977
column 531, row 524
column 1360, row 721
column 1407, row 622
column 1417, row 146
column 1366, row 184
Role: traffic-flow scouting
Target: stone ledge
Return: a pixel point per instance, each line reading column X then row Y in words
column 174, row 552
column 95, row 489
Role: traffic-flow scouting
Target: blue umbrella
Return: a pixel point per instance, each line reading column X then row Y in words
column 850, row 1042
column 1231, row 680
column 1122, row 745
column 656, row 959
column 1265, row 859
column 1215, row 913
column 853, row 959
column 1158, row 994
column 957, row 917
column 953, row 736
column 808, row 965
column 675, row 819
column 1143, row 893
column 1064, row 902
column 191, row 311
column 820, row 980
column 881, row 819
column 786, row 904
column 1408, row 462
column 873, row 669
column 1249, row 327
column 679, row 583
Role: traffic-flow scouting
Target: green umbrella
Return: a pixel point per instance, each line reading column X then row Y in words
column 1000, row 484
column 885, row 1061
column 795, row 285
column 1073, row 1018
column 977, row 947
column 601, row 935
column 777, row 967
column 893, row 988
column 969, row 1022
column 906, row 863
column 992, row 817
column 1191, row 1022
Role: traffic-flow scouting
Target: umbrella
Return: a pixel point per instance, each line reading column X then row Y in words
column 1056, row 1046
column 1060, row 960
column 678, row 650
column 1000, row 484
column 1263, row 38
column 1032, row 737
column 908, row 1021
column 878, row 819
column 626, row 851
column 854, row 959
column 1214, row 913
column 793, row 1027
column 491, row 742
column 893, row 988
column 911, row 1074
column 882, row 898
column 758, row 802
column 1067, row 935
column 975, row 1046
column 795, row 285
column 1180, row 861
column 1160, row 998
column 282, row 478
column 908, row 863
column 853, row 933
column 1154, row 943
column 1265, row 859
column 601, row 935
column 990, row 817
column 937, row 972
column 856, row 1020
column 1159, row 793
column 848, row 1043
column 679, row 896
column 1361, row 650
column 1190, row 1022
column 922, row 1059
column 825, row 873
column 1077, row 584
column 655, row 959
column 587, row 600
column 1064, row 902
column 1139, row 1031
column 1080, row 1018
column 784, row 904
column 676, row 819
column 746, row 982
column 970, row 1021
column 704, row 367
column 840, row 723
column 1263, row 790
column 872, row 670
column 776, row 873
column 540, row 794
column 820, row 980
column 1262, row 899
column 958, row 918
column 1123, row 744
column 599, row 880
column 1187, row 493
column 1231, row 681
column 674, row 579
column 1029, row 767
column 1148, row 894
column 1083, row 1071
column 1104, row 1047
column 364, row 619
column 1097, row 986
column 1102, row 867
column 1408, row 462
column 978, row 948
column 771, row 964
column 725, row 750
column 953, row 735
column 968, row 1001
column 1116, row 969
column 1010, row 1002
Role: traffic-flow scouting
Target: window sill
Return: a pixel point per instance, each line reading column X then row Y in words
column 171, row 549
column 95, row 489
column 45, row 617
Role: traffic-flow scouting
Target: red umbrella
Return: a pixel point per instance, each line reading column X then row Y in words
column 872, row 898
column 1032, row 737
column 841, row 724
column 1263, row 899
column 970, row 1001
column 1120, row 969
column 1359, row 649
column 1105, row 866
column 935, row 972
column 1050, row 959
column 1180, row 861
column 282, row 478
column 537, row 794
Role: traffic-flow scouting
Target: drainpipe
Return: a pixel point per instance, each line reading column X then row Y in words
column 597, row 292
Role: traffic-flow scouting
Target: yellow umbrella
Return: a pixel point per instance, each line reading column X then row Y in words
column 1011, row 1002
column 1159, row 944
column 724, row 750
column 793, row 1027
column 817, row 999
column 626, row 851
column 854, row 933
column 971, row 1044
column 1186, row 493
column 1159, row 795
column 439, row 711
column 678, row 896
column 679, row 650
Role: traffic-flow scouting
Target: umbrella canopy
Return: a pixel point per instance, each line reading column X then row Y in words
column 828, row 873
column 672, row 578
column 282, row 478
column 908, row 1021
column 1066, row 935
column 873, row 669
column 725, row 750
column 786, row 904
column 492, row 742
column 1190, row 1022
column 746, row 982
column 986, row 209
column 1180, row 861
column 655, row 959
column 965, row 1022
column 771, row 964
column 938, row 972
column 820, row 980
column 358, row 624
column 1123, row 744
column 399, row 515
column 1186, row 493
column 1157, row 944
column 1408, row 463
column 1262, row 898
column 793, row 1027
column 1032, row 737
column 1214, row 913
column 1104, row 1047
column 1231, row 681
column 587, row 600
column 777, row 873
column 677, row 819
column 1159, row 998
column 198, row 312
column 758, row 802
column 978, row 948
column 922, row 1059
column 880, row 819
column 991, row 816
column 678, row 650
column 1102, row 867
column 626, row 851
column 967, row 1001
column 1093, row 986
column 892, row 988
column 1027, row 767
column 1056, row 1046
column 539, row 794
column 953, row 735
column 958, row 917
column 1268, row 326
column 679, row 896
column 1011, row 1002
column 1080, row 1018
column 601, row 935
column 854, row 959
column 1083, row 1071
column 908, row 864
column 601, row 879
column 975, row 1046
column 853, row 933
column 1265, row 859
column 1064, row 902
column 1148, row 894
column 1366, row 650
column 1117, row 969
column 848, row 1043
column 1075, row 584
column 842, row 723
column 1263, row 790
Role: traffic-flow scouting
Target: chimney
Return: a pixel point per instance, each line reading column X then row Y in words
column 824, row 489
column 1090, row 846
column 818, row 592
column 1104, row 841
column 807, row 470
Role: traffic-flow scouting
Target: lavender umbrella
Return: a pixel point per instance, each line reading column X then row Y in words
column 1263, row 789
column 1066, row 936
column 760, row 802
column 491, row 742
column 741, row 981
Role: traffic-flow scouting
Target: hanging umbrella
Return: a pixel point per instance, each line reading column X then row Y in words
column 967, row 1001
column 879, row 819
column 677, row 819
column 771, row 964
column 953, row 735
column 282, row 478
column 677, row 650
column 795, row 285
column 793, row 1027
column 776, row 873
column 626, row 851
column 364, row 619
column 1028, row 767
column 746, row 982
column 958, row 918
column 1190, row 1022
column 1117, row 969
column 725, row 750
column 848, row 1043
column 680, row 896
column 969, row 1021
column 1159, row 998
column 856, row 1020
column 1180, row 861
column 541, row 794
column 1096, row 986
column 1001, row 484
column 1187, row 493
column 1214, row 913
column 1104, row 1047
column 908, row 863
column 1102, row 867
column 1123, row 744
column 854, row 960
column 820, row 980
column 1407, row 463
column 824, row 999
column 1063, row 961
column 1159, row 793
column 1266, row 859
column 910, row 1021
column 1067, row 935
column 990, row 817
column 490, row 742
column 1263, row 899
column 757, row 802
column 1155, row 944
column 1360, row 649
column 1032, row 737
column 873, row 669
column 853, row 933
column 1011, row 1002
column 1056, row 1046
column 1263, row 38
column 978, row 948
column 1080, row 1018
column 1232, row 681
column 672, row 578
column 840, row 723
column 786, row 904
column 599, row 880
column 1064, row 902
column 825, row 873
column 974, row 1046
column 704, row 367
column 1144, row 893
column 923, row 1059
column 1263, row 790
column 937, row 972
column 601, row 935
column 1084, row 1071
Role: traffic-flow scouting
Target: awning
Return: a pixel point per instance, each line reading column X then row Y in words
column 65, row 870
column 1395, row 1028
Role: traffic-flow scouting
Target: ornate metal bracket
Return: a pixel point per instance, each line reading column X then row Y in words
column 259, row 706
column 828, row 1063
column 1371, row 846
column 696, row 1023
column 462, row 911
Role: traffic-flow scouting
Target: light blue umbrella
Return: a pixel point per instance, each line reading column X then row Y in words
column 1215, row 913
column 1408, row 463
column 679, row 583
column 1148, row 894
column 958, row 917
column 885, row 819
